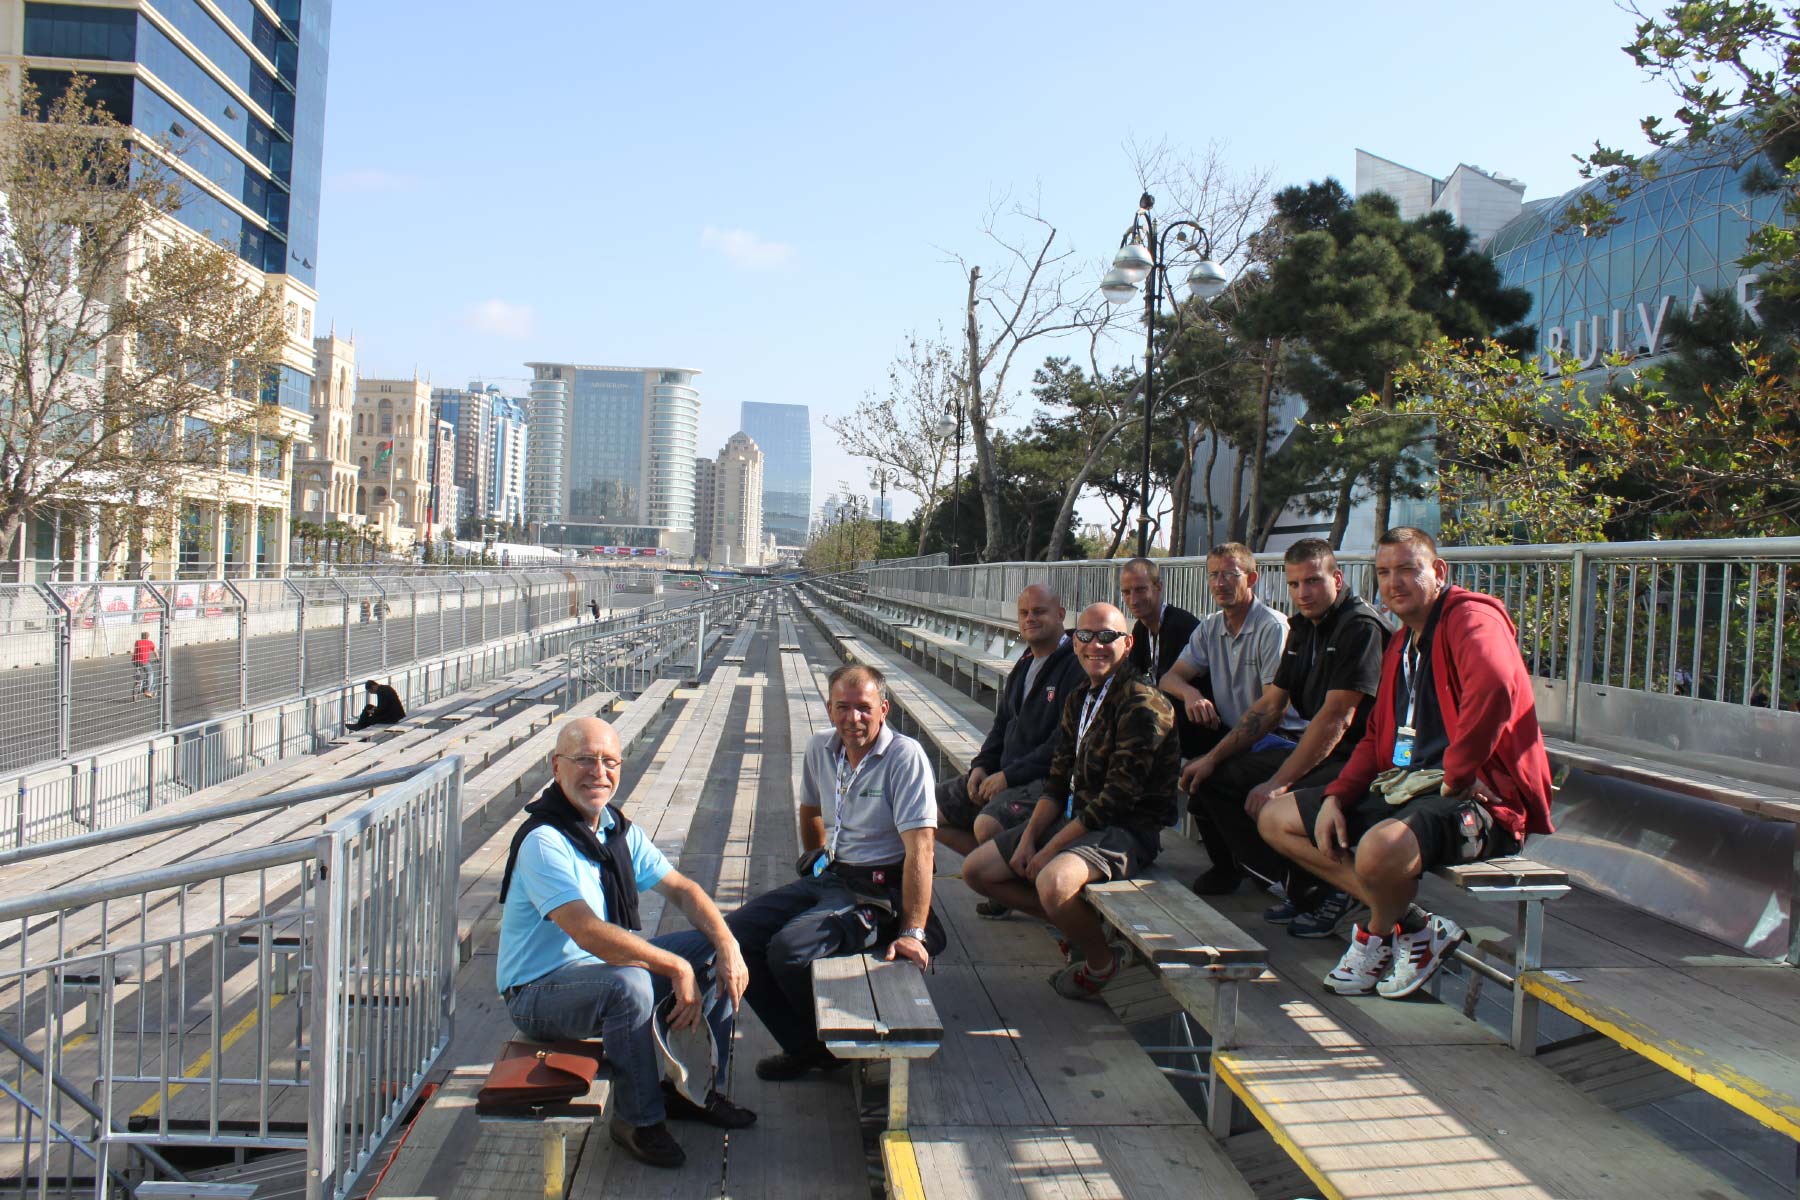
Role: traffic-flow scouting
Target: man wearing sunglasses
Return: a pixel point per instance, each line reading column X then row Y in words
column 572, row 964
column 1107, row 797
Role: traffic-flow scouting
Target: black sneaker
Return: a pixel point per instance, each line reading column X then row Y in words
column 1217, row 881
column 1329, row 918
column 992, row 911
column 717, row 1111
column 649, row 1144
column 784, row 1066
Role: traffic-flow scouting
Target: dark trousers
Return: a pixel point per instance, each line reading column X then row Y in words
column 781, row 933
column 1229, row 833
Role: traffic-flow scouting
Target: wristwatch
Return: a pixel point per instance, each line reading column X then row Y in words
column 917, row 935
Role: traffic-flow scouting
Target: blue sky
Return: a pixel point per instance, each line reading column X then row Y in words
column 768, row 193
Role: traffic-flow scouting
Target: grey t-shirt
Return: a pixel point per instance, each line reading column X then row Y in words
column 892, row 791
column 1241, row 664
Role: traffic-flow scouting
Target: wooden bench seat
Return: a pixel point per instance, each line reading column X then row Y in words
column 1733, row 1032
column 877, row 1011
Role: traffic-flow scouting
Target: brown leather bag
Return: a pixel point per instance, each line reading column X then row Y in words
column 530, row 1075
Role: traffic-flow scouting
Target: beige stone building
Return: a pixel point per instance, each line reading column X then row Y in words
column 326, row 474
column 705, row 474
column 391, row 435
column 737, row 517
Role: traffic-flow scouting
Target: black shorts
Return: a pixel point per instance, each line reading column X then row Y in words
column 958, row 810
column 1449, row 831
column 1113, row 853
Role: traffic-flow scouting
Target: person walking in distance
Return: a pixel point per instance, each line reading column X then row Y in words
column 143, row 664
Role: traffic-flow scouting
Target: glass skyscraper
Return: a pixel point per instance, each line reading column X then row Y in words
column 611, row 454
column 236, row 87
column 784, row 433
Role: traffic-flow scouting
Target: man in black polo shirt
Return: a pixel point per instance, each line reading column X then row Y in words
column 1330, row 671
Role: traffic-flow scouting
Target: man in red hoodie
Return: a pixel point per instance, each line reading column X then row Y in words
column 1452, row 769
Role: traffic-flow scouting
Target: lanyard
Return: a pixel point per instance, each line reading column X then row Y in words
column 1409, row 667
column 845, row 784
column 1090, row 708
column 1156, row 643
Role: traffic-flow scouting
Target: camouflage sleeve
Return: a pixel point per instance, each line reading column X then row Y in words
column 1143, row 723
column 1062, row 760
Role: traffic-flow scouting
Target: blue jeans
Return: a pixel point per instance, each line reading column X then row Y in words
column 583, row 1000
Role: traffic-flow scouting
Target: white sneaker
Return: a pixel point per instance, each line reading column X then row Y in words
column 1417, row 956
column 1362, row 966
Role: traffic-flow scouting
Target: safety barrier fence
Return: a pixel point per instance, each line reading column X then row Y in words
column 1686, row 646
column 626, row 653
column 291, row 996
column 83, row 665
column 117, row 784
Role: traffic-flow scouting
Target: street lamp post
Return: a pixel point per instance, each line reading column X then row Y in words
column 1143, row 257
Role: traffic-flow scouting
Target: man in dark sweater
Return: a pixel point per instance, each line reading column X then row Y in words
column 1159, row 635
column 1007, row 775
column 383, row 708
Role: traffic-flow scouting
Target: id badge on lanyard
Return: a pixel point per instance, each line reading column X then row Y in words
column 844, row 785
column 1090, row 709
column 1407, row 734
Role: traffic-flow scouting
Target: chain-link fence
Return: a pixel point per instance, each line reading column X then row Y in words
column 91, row 665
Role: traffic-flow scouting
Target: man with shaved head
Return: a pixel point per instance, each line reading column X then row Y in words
column 572, row 964
column 1110, row 791
column 1007, row 774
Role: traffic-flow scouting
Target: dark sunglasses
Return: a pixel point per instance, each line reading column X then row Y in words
column 1105, row 637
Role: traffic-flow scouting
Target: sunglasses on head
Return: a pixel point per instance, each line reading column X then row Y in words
column 1105, row 637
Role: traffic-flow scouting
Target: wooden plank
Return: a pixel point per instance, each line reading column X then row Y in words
column 902, row 1001
column 843, row 1002
column 1458, row 1122
column 1166, row 923
column 1511, row 871
column 1697, row 1025
column 1105, row 1162
column 979, row 1075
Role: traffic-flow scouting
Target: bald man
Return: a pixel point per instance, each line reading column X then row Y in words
column 1007, row 775
column 1110, row 791
column 572, row 964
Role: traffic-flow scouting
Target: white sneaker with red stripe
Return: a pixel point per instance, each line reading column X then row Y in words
column 1363, row 965
column 1417, row 956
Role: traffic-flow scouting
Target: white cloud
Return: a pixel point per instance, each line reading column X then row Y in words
column 749, row 250
column 498, row 318
column 373, row 179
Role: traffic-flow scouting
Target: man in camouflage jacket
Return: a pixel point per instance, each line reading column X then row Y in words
column 1110, row 790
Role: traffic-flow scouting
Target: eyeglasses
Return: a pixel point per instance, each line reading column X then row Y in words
column 1105, row 637
column 588, row 762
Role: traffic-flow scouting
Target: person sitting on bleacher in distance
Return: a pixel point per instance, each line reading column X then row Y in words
column 383, row 707
column 1159, row 634
column 1007, row 775
column 865, row 873
column 1451, row 770
column 1329, row 673
column 1110, row 791
column 572, row 966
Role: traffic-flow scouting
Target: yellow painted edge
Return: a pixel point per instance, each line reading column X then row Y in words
column 902, row 1166
column 1736, row 1095
column 1222, row 1064
column 153, row 1105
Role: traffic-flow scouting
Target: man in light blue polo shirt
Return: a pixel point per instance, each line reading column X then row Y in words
column 571, row 965
column 868, row 825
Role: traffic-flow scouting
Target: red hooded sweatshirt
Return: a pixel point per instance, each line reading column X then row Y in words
column 1489, row 714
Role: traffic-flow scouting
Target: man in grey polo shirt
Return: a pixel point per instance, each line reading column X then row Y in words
column 868, row 821
column 1239, row 647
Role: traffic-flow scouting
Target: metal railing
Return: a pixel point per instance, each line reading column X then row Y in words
column 114, row 785
column 71, row 679
column 626, row 661
column 291, row 996
column 1683, row 648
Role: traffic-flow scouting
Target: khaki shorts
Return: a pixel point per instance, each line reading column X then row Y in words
column 1115, row 852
